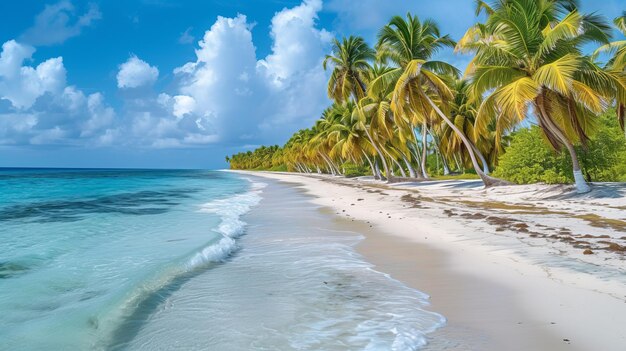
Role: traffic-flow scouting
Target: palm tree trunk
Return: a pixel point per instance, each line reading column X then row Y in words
column 408, row 166
column 407, row 162
column 415, row 154
column 446, row 169
column 481, row 157
column 424, row 150
column 396, row 162
column 418, row 158
column 458, row 164
column 487, row 180
column 579, row 180
column 382, row 157
column 371, row 165
column 330, row 166
column 377, row 169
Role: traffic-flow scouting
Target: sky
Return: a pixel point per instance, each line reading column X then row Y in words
column 180, row 84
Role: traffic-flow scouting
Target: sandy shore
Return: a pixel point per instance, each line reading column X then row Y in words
column 510, row 267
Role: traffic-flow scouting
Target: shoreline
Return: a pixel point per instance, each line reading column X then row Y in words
column 493, row 297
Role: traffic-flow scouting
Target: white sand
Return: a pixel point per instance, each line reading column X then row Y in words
column 500, row 263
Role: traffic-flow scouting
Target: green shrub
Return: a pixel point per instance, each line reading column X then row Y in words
column 529, row 159
column 353, row 170
column 605, row 158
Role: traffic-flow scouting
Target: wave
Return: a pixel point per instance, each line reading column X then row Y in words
column 138, row 305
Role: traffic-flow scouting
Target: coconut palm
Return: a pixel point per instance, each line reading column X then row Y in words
column 528, row 55
column 349, row 59
column 420, row 89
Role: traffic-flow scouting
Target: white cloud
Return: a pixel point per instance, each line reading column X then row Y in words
column 22, row 85
column 241, row 97
column 183, row 105
column 135, row 73
column 100, row 115
column 59, row 22
column 49, row 111
column 225, row 95
column 298, row 45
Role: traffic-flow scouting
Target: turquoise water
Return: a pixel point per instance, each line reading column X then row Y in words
column 79, row 249
column 157, row 260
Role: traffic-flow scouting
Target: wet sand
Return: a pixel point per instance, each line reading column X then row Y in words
column 493, row 298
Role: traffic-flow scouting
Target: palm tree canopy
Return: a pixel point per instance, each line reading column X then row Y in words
column 530, row 49
column 350, row 57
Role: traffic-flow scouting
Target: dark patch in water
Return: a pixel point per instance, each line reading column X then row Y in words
column 10, row 269
column 133, row 323
column 138, row 203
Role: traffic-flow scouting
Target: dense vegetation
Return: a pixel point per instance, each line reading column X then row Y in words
column 399, row 113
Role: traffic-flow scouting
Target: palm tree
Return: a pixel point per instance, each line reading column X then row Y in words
column 528, row 55
column 350, row 59
column 616, row 67
column 419, row 89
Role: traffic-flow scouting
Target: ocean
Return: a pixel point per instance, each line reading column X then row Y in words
column 189, row 260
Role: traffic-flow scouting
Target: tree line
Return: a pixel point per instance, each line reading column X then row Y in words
column 395, row 108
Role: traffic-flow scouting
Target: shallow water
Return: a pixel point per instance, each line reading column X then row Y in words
column 157, row 260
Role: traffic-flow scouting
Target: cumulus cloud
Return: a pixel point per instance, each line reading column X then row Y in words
column 242, row 97
column 59, row 22
column 41, row 108
column 297, row 43
column 135, row 73
column 22, row 85
column 226, row 95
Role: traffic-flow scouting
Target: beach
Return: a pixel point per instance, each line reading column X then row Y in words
column 508, row 267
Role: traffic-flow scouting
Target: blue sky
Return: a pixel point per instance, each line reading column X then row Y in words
column 178, row 84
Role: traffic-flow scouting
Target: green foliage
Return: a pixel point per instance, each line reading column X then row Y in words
column 605, row 159
column 529, row 159
column 353, row 170
column 262, row 158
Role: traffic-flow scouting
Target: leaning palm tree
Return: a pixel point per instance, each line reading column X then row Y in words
column 420, row 93
column 349, row 59
column 528, row 55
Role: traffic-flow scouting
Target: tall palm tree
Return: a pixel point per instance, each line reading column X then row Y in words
column 528, row 55
column 349, row 59
column 420, row 93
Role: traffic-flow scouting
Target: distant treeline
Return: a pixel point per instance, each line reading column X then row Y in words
column 398, row 112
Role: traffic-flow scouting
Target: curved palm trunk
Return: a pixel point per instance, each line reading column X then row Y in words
column 371, row 165
column 446, row 168
column 408, row 166
column 424, row 151
column 393, row 159
column 377, row 168
column 407, row 162
column 337, row 171
column 481, row 157
column 579, row 180
column 328, row 164
column 416, row 154
column 487, row 180
column 380, row 154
